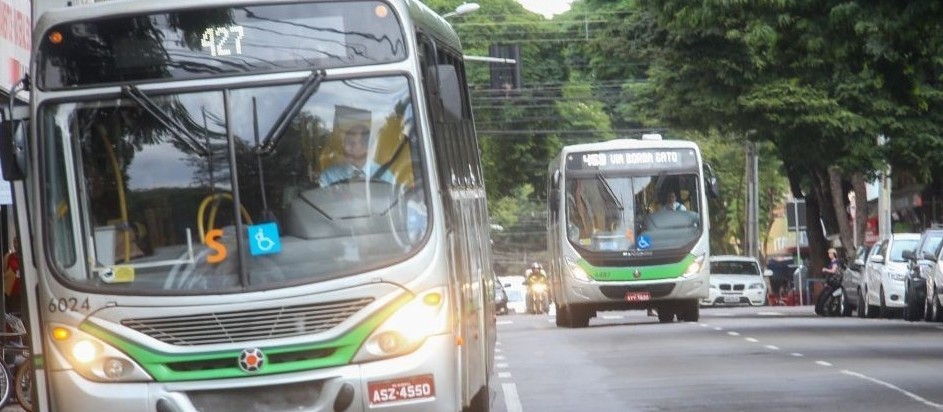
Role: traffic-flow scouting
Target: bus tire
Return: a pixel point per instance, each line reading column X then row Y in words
column 579, row 316
column 666, row 314
column 481, row 402
column 689, row 311
column 563, row 316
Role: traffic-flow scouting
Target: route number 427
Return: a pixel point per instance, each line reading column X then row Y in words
column 68, row 305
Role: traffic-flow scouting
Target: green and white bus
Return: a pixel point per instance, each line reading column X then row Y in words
column 617, row 240
column 183, row 247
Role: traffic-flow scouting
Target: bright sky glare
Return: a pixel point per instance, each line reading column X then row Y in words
column 546, row 7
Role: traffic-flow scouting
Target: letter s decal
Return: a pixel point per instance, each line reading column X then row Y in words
column 210, row 240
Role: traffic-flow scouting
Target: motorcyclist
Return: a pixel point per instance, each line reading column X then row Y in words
column 832, row 274
column 535, row 280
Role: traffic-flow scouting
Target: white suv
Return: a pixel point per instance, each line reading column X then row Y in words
column 884, row 275
column 735, row 280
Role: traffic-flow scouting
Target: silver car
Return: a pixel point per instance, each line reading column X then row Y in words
column 885, row 274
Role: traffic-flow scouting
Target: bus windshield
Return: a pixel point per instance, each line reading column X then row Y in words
column 181, row 193
column 609, row 212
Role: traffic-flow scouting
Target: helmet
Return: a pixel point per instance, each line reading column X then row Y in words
column 535, row 266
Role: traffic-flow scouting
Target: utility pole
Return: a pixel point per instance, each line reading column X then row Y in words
column 752, row 232
column 884, row 198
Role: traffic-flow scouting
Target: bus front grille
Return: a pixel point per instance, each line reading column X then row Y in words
column 247, row 325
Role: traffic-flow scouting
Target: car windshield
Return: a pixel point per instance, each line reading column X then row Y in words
column 735, row 268
column 339, row 190
column 898, row 248
column 622, row 213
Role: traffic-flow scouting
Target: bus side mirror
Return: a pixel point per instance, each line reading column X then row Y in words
column 13, row 129
column 710, row 180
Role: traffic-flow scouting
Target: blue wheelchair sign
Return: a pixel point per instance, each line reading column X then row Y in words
column 264, row 239
column 643, row 242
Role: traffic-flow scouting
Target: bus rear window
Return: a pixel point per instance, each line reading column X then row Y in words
column 208, row 42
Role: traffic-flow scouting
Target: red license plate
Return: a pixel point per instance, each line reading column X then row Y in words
column 402, row 389
column 638, row 296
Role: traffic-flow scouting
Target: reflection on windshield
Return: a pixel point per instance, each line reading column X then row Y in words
column 623, row 213
column 156, row 178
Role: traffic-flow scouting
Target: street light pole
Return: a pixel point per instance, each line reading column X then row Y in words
column 461, row 9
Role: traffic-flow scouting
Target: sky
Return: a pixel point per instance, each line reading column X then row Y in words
column 546, row 7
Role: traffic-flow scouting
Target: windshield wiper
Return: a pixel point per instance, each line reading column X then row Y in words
column 171, row 123
column 612, row 194
column 307, row 89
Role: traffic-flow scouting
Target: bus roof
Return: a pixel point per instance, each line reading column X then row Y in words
column 628, row 144
column 419, row 13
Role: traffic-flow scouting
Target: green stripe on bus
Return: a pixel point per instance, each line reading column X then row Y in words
column 628, row 273
column 158, row 364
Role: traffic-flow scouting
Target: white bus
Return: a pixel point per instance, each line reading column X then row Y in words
column 232, row 205
column 628, row 229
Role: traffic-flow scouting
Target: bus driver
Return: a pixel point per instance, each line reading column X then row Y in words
column 355, row 163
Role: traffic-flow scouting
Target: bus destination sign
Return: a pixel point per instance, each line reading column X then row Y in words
column 644, row 159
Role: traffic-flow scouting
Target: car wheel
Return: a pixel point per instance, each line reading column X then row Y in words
column 861, row 305
column 911, row 311
column 883, row 313
column 579, row 316
column 845, row 307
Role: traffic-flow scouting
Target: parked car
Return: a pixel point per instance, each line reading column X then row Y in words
column 885, row 272
column 500, row 297
column 852, row 282
column 514, row 287
column 919, row 263
column 735, row 280
column 933, row 311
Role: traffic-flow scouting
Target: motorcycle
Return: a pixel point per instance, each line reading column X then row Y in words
column 538, row 299
column 831, row 301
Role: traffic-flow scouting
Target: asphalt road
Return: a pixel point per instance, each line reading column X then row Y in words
column 737, row 359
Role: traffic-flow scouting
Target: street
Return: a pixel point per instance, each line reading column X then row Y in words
column 733, row 359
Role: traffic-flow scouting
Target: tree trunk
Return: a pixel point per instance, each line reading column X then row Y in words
column 845, row 233
column 860, row 188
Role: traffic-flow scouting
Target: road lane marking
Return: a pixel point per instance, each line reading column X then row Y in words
column 822, row 363
column 772, row 347
column 733, row 333
column 770, row 314
column 511, row 400
column 611, row 317
column 797, row 354
column 498, row 357
column 703, row 325
column 505, row 322
column 504, row 375
column 754, row 340
column 501, row 365
column 909, row 394
column 718, row 328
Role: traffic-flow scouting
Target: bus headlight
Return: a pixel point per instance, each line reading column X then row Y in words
column 425, row 315
column 695, row 267
column 577, row 272
column 94, row 359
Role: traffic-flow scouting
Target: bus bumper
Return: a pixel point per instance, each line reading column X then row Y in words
column 622, row 293
column 326, row 389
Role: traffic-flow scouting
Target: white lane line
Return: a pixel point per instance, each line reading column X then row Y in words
column 718, row 328
column 505, row 322
column 822, row 363
column 733, row 333
column 910, row 395
column 797, row 354
column 497, row 350
column 772, row 347
column 703, row 325
column 769, row 313
column 501, row 365
column 754, row 340
column 504, row 375
column 498, row 357
column 511, row 400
